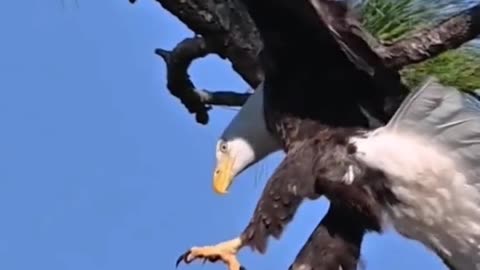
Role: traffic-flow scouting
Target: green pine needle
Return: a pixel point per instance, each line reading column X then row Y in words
column 390, row 20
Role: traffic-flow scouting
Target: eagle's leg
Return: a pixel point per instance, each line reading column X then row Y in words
column 225, row 251
column 283, row 194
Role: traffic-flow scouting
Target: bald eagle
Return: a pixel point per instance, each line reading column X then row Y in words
column 320, row 74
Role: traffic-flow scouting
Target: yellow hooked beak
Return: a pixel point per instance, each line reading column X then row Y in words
column 223, row 177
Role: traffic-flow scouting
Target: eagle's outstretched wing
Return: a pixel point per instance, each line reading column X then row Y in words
column 317, row 61
column 430, row 154
column 447, row 117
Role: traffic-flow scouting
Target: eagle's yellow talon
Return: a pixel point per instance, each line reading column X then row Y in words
column 226, row 252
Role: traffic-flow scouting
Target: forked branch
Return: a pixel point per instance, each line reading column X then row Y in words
column 179, row 84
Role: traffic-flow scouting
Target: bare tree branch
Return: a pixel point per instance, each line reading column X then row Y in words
column 227, row 30
column 223, row 98
column 428, row 43
column 178, row 81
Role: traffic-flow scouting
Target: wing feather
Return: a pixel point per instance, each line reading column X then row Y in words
column 447, row 116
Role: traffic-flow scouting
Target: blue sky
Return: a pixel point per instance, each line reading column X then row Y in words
column 100, row 168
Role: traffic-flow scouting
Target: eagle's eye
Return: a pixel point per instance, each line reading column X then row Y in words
column 223, row 147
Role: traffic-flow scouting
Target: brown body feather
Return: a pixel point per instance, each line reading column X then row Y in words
column 310, row 170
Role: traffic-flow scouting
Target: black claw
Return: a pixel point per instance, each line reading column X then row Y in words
column 182, row 257
column 212, row 259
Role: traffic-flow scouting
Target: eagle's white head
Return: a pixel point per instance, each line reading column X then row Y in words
column 243, row 143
